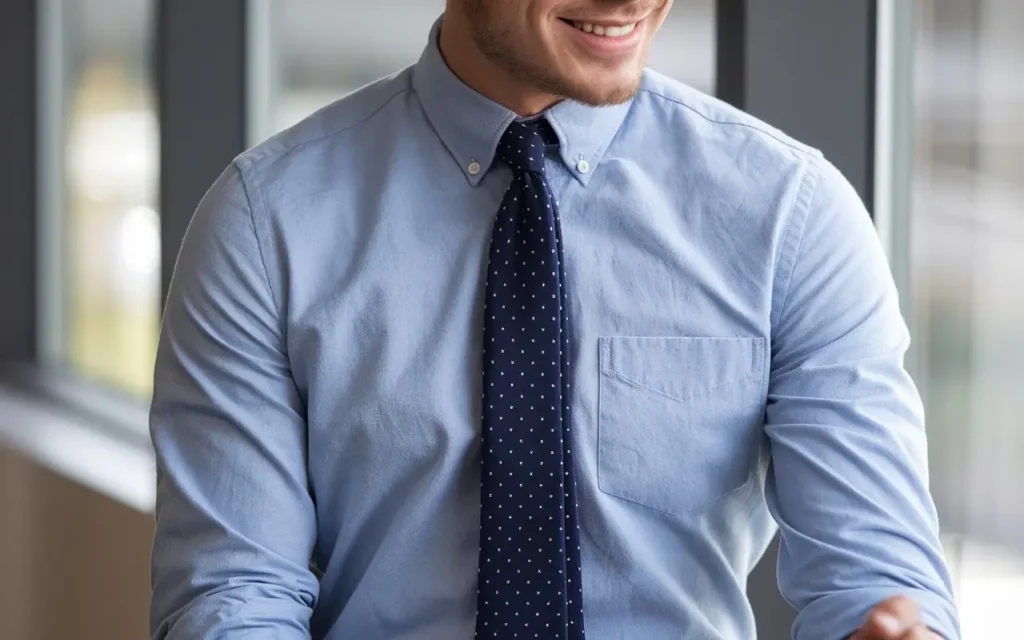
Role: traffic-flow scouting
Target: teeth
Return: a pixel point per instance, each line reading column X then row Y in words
column 601, row 30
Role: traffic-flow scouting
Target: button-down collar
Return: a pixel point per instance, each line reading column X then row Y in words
column 470, row 124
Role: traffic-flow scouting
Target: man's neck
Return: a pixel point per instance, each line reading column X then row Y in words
column 470, row 66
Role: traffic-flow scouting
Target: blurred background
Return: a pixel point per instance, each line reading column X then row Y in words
column 107, row 93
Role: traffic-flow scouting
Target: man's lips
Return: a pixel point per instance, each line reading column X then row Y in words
column 606, row 37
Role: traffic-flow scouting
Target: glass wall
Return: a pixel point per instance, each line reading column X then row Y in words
column 685, row 46
column 324, row 49
column 967, row 273
column 107, row 222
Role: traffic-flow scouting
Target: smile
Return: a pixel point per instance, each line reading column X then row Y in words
column 607, row 31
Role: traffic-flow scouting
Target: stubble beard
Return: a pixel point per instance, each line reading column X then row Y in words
column 497, row 45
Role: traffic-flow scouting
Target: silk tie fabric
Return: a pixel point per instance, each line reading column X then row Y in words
column 530, row 575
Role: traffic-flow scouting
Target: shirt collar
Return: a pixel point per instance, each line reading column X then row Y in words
column 470, row 125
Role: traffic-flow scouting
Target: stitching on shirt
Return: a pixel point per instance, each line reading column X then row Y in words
column 809, row 187
column 259, row 245
column 282, row 153
column 677, row 511
column 803, row 150
column 607, row 370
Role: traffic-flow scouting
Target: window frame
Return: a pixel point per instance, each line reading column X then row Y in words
column 19, row 253
column 199, row 57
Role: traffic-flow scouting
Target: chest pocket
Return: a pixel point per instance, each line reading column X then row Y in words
column 680, row 420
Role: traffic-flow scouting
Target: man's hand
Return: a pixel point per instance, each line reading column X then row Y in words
column 894, row 619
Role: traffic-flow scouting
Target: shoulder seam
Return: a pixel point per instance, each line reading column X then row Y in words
column 249, row 160
column 802, row 150
column 808, row 192
column 274, row 298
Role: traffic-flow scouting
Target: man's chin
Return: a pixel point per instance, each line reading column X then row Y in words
column 601, row 94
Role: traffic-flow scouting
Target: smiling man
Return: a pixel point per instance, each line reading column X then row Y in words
column 527, row 341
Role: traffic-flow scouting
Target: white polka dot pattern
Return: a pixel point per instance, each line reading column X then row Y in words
column 530, row 575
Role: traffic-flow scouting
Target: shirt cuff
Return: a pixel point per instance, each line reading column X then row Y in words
column 839, row 615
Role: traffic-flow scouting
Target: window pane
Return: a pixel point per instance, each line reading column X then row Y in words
column 967, row 267
column 684, row 49
column 111, row 228
column 323, row 49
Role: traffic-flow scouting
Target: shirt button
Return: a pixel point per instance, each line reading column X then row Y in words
column 583, row 166
column 473, row 168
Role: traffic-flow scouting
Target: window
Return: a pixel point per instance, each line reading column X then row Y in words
column 684, row 49
column 320, row 50
column 967, row 297
column 105, row 223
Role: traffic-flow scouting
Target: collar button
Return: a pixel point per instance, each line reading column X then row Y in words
column 473, row 168
column 583, row 166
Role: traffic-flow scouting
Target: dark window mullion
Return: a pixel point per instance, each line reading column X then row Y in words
column 201, row 71
column 19, row 216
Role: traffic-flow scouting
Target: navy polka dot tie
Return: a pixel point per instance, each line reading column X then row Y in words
column 530, row 578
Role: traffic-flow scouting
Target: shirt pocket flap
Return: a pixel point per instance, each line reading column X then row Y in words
column 684, row 367
column 680, row 419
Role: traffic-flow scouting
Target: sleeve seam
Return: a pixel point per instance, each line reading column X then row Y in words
column 274, row 298
column 802, row 209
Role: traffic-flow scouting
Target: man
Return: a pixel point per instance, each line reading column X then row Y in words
column 525, row 341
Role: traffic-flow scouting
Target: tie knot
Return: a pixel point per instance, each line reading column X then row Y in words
column 522, row 147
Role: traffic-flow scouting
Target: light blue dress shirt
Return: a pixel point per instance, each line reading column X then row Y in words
column 738, row 353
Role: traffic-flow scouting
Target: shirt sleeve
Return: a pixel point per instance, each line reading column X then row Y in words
column 848, row 480
column 235, row 522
